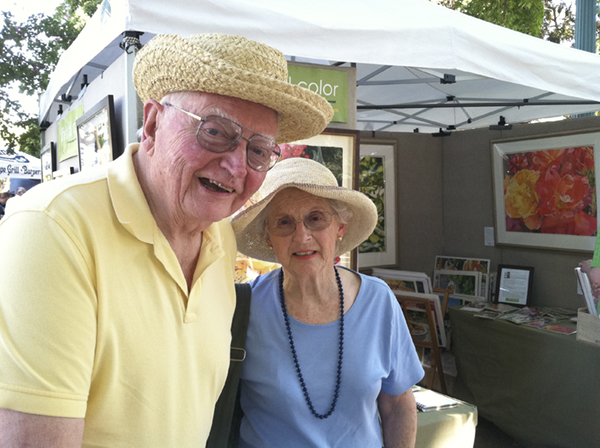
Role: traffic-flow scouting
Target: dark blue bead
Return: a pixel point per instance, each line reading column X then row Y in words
column 291, row 339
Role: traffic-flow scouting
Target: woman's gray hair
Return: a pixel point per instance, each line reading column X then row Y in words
column 343, row 212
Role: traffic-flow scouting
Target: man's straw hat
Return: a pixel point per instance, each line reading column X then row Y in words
column 232, row 66
column 314, row 178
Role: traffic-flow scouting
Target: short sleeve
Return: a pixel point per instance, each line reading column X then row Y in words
column 47, row 317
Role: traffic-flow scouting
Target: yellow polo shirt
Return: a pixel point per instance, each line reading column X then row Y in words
column 95, row 316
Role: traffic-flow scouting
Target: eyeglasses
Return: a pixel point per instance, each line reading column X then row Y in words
column 286, row 225
column 219, row 134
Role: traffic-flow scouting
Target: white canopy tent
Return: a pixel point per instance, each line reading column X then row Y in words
column 419, row 65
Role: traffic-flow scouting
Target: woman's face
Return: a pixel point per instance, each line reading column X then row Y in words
column 304, row 251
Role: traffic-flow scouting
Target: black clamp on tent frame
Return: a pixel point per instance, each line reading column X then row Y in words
column 131, row 39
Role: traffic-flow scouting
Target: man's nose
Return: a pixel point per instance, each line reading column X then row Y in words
column 235, row 160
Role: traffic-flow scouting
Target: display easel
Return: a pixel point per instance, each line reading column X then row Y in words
column 432, row 343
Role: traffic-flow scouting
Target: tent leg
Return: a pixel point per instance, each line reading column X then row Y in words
column 131, row 100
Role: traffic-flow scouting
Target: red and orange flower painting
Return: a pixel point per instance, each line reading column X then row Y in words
column 551, row 191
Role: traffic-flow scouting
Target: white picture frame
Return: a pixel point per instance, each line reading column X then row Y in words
column 437, row 309
column 409, row 281
column 382, row 252
column 466, row 284
column 526, row 231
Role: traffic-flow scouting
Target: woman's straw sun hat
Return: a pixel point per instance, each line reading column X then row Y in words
column 232, row 66
column 314, row 178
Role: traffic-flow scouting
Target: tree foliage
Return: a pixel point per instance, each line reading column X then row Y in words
column 559, row 22
column 549, row 19
column 525, row 16
column 29, row 52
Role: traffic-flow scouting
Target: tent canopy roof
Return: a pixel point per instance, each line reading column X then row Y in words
column 419, row 65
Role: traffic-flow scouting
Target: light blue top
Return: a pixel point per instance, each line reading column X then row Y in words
column 379, row 355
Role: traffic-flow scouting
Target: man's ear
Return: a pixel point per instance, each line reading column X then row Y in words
column 152, row 111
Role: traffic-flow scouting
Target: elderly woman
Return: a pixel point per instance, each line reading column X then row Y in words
column 328, row 349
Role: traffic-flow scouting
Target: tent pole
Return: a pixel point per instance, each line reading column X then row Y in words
column 475, row 104
column 131, row 44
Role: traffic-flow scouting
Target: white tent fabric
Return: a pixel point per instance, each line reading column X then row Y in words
column 402, row 50
column 19, row 165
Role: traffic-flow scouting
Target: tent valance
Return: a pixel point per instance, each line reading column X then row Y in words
column 419, row 65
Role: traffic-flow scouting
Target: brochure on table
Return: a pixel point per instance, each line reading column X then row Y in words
column 429, row 400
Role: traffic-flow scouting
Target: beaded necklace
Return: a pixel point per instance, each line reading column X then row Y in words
column 341, row 351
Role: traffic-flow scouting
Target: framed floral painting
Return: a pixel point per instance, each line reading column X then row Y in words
column 545, row 191
column 376, row 180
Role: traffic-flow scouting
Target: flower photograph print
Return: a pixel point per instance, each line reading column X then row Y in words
column 376, row 180
column 545, row 191
column 551, row 191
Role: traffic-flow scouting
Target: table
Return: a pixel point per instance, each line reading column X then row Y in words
column 540, row 387
column 448, row 428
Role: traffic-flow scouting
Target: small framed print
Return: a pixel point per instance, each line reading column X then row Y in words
column 513, row 285
column 465, row 285
column 96, row 135
column 48, row 161
column 404, row 280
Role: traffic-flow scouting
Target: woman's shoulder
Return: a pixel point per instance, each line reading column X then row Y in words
column 366, row 281
column 376, row 299
column 265, row 280
column 374, row 283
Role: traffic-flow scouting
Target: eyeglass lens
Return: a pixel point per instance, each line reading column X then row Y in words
column 286, row 225
column 219, row 134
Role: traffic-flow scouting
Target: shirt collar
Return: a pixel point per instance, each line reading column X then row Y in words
column 128, row 199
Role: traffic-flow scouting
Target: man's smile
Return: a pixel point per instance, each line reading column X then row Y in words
column 215, row 186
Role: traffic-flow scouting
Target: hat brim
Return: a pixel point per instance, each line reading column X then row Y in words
column 358, row 229
column 169, row 63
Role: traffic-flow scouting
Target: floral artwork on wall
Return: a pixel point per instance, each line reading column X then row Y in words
column 545, row 191
column 551, row 191
column 377, row 181
column 373, row 185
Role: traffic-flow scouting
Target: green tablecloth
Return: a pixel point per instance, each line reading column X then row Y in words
column 540, row 387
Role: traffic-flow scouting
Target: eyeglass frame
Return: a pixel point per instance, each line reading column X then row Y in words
column 276, row 149
column 328, row 215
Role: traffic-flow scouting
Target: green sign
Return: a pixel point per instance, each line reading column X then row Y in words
column 330, row 84
column 66, row 145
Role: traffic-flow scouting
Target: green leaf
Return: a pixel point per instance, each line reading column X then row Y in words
column 29, row 53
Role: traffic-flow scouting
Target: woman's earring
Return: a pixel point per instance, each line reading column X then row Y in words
column 340, row 238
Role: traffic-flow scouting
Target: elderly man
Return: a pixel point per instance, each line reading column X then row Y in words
column 118, row 333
